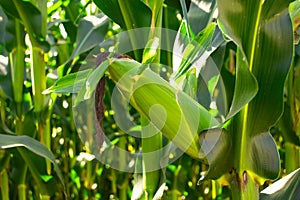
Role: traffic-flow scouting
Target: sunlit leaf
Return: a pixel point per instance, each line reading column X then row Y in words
column 183, row 38
column 150, row 51
column 287, row 188
column 70, row 83
column 91, row 82
column 194, row 50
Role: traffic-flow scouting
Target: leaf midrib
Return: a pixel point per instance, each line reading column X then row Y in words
column 256, row 27
column 251, row 60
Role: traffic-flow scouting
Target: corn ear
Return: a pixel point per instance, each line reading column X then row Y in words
column 174, row 113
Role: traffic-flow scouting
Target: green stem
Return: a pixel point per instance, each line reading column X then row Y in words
column 113, row 179
column 42, row 5
column 292, row 157
column 123, row 191
column 17, row 58
column 38, row 76
column 123, row 187
column 4, row 185
column 214, row 189
column 175, row 183
column 46, row 140
column 89, row 177
column 290, row 92
column 22, row 191
column 243, row 186
column 151, row 148
column 89, row 165
column 38, row 73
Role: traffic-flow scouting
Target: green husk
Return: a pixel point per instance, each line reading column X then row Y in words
column 174, row 113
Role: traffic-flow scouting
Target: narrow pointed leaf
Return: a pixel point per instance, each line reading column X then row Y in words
column 8, row 141
column 245, row 86
column 70, row 83
column 195, row 49
column 183, row 38
column 91, row 82
column 286, row 188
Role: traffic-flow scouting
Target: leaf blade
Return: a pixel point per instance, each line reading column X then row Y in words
column 8, row 141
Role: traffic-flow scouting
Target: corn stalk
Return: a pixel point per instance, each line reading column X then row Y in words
column 37, row 33
column 17, row 57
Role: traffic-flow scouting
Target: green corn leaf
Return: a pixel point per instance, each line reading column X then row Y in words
column 262, row 31
column 287, row 188
column 216, row 144
column 91, row 82
column 128, row 14
column 71, row 83
column 8, row 141
column 201, row 14
column 245, row 86
column 195, row 49
column 150, row 51
column 190, row 84
column 90, row 33
column 184, row 11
